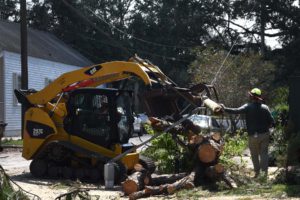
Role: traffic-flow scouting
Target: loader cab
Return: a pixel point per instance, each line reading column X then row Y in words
column 101, row 116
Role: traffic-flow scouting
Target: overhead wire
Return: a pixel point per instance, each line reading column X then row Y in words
column 115, row 43
column 234, row 43
column 223, row 63
column 79, row 14
column 134, row 37
column 132, row 49
column 237, row 58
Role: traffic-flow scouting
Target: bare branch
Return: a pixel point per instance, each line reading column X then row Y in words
column 248, row 31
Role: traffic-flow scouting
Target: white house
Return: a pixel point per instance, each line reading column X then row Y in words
column 48, row 58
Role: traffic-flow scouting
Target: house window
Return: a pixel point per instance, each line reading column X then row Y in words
column 48, row 81
column 16, row 86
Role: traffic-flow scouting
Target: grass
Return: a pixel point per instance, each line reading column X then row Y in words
column 10, row 141
column 250, row 190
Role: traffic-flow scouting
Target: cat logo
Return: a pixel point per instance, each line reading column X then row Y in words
column 93, row 70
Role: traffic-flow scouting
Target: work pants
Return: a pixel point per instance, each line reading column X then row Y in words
column 258, row 145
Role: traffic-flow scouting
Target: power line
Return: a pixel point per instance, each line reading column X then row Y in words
column 142, row 51
column 227, row 66
column 134, row 37
column 97, row 28
column 116, row 43
column 234, row 43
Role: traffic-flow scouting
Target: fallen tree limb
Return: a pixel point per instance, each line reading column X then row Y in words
column 136, row 181
column 157, row 180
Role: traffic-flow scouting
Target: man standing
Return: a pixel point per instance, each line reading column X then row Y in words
column 258, row 122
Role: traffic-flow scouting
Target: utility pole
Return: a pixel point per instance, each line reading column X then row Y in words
column 262, row 26
column 24, row 61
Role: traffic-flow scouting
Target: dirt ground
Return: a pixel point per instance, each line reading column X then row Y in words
column 18, row 170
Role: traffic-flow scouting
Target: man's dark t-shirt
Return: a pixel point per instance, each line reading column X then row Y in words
column 258, row 117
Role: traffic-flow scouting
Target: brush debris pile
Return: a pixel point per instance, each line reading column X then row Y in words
column 206, row 151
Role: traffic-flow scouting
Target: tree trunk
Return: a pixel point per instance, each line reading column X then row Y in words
column 215, row 172
column 157, row 180
column 186, row 182
column 139, row 194
column 262, row 26
column 135, row 182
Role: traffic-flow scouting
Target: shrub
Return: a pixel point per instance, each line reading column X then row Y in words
column 234, row 146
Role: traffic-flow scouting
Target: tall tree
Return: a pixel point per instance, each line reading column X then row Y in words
column 173, row 27
column 8, row 10
column 79, row 24
column 233, row 75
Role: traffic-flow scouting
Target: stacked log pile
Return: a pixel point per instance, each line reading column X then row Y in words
column 206, row 150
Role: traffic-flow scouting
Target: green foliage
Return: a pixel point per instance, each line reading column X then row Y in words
column 280, row 108
column 278, row 145
column 266, row 190
column 234, row 146
column 247, row 189
column 163, row 150
column 238, row 75
column 164, row 31
column 280, row 96
column 253, row 191
column 7, row 190
column 10, row 141
column 8, row 9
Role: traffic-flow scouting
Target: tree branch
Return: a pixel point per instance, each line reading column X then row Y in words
column 247, row 31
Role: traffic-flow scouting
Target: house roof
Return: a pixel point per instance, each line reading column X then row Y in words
column 40, row 45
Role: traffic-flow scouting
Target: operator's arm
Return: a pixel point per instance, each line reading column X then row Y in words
column 270, row 118
column 240, row 110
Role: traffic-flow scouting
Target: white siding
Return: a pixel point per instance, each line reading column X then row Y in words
column 38, row 71
column 1, row 88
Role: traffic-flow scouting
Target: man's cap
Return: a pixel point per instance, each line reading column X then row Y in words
column 256, row 93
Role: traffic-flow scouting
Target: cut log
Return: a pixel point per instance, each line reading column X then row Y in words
column 147, row 180
column 135, row 182
column 196, row 139
column 190, row 135
column 216, row 108
column 207, row 153
column 157, row 180
column 214, row 172
column 156, row 190
column 138, row 167
column 191, row 127
column 219, row 168
column 139, row 194
column 216, row 136
column 184, row 183
column 229, row 181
